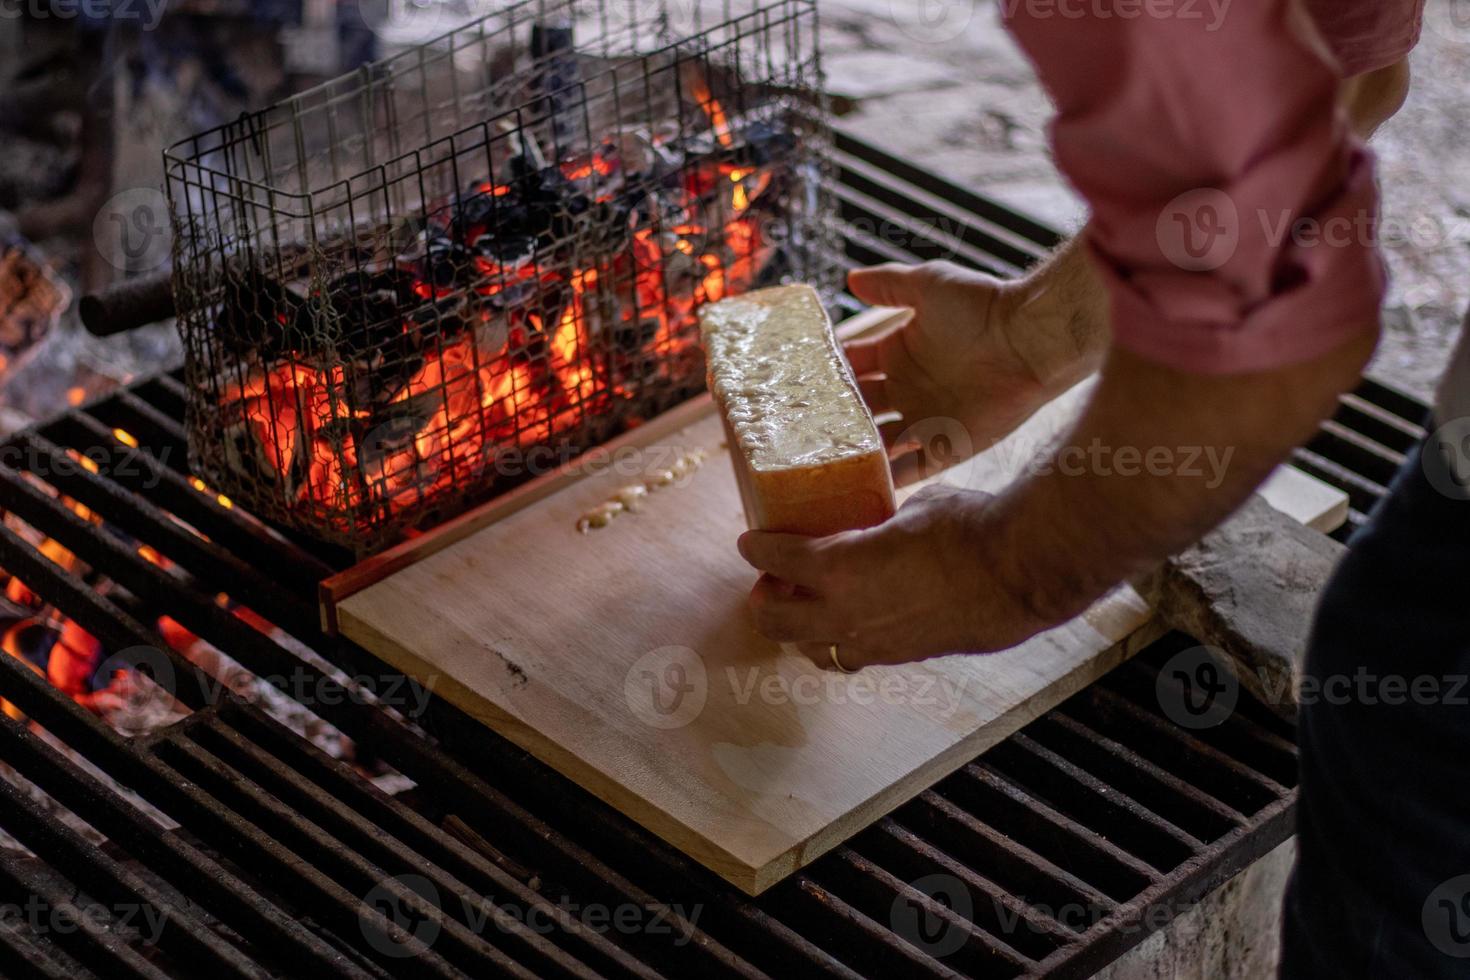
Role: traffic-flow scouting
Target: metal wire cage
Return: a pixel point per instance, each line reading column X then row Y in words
column 411, row 286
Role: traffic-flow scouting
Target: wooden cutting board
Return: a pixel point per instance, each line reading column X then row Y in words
column 623, row 658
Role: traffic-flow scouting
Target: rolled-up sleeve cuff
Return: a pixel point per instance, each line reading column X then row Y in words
column 1326, row 285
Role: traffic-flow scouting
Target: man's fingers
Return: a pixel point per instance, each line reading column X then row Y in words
column 898, row 436
column 865, row 356
column 783, row 615
column 786, row 556
column 890, row 284
column 875, row 392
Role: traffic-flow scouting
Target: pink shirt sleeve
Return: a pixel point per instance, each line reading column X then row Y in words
column 1233, row 213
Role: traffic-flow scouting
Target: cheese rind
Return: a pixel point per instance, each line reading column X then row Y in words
column 807, row 455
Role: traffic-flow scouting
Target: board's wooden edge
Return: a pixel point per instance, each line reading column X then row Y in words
column 962, row 752
column 753, row 880
column 331, row 591
column 1305, row 498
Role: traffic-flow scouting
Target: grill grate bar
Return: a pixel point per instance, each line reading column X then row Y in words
column 858, row 211
column 998, row 911
column 863, row 941
column 143, row 521
column 1358, row 414
column 1174, row 798
column 329, row 788
column 1227, row 779
column 95, row 943
column 198, row 876
column 1361, row 454
column 152, row 477
column 1014, row 864
column 1076, row 793
column 161, row 591
column 22, row 956
column 351, row 832
column 180, row 933
column 1116, row 933
column 985, row 244
column 491, row 813
column 342, row 874
column 1024, row 816
column 869, row 887
column 1239, row 736
column 162, row 436
column 95, row 613
column 221, row 826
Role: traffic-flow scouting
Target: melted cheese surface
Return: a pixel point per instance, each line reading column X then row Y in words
column 786, row 389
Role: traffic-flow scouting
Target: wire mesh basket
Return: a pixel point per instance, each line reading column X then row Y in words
column 407, row 288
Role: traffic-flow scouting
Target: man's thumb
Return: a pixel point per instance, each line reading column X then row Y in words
column 890, row 284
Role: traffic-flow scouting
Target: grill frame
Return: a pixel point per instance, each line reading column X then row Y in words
column 1102, row 803
column 493, row 242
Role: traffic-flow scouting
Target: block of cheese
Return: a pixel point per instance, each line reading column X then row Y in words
column 807, row 455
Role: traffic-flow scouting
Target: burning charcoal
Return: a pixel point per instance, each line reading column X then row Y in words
column 556, row 76
column 630, row 337
column 259, row 314
column 371, row 297
column 244, row 455
column 639, row 157
column 368, row 306
column 390, row 434
column 492, row 221
column 763, row 143
column 444, row 262
column 552, row 206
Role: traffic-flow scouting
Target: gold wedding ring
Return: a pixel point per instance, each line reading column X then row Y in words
column 832, row 652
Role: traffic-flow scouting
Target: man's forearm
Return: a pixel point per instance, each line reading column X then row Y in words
column 1057, row 317
column 1158, row 458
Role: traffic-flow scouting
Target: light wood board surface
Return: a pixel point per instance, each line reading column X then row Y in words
column 623, row 658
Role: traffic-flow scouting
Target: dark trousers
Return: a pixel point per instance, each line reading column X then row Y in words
column 1381, row 887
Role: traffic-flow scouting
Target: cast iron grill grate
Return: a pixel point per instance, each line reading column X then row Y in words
column 1048, row 856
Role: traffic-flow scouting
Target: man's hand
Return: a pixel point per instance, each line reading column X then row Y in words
column 923, row 584
column 952, row 359
column 982, row 351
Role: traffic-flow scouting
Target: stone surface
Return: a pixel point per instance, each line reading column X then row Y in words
column 1234, row 933
column 1249, row 588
